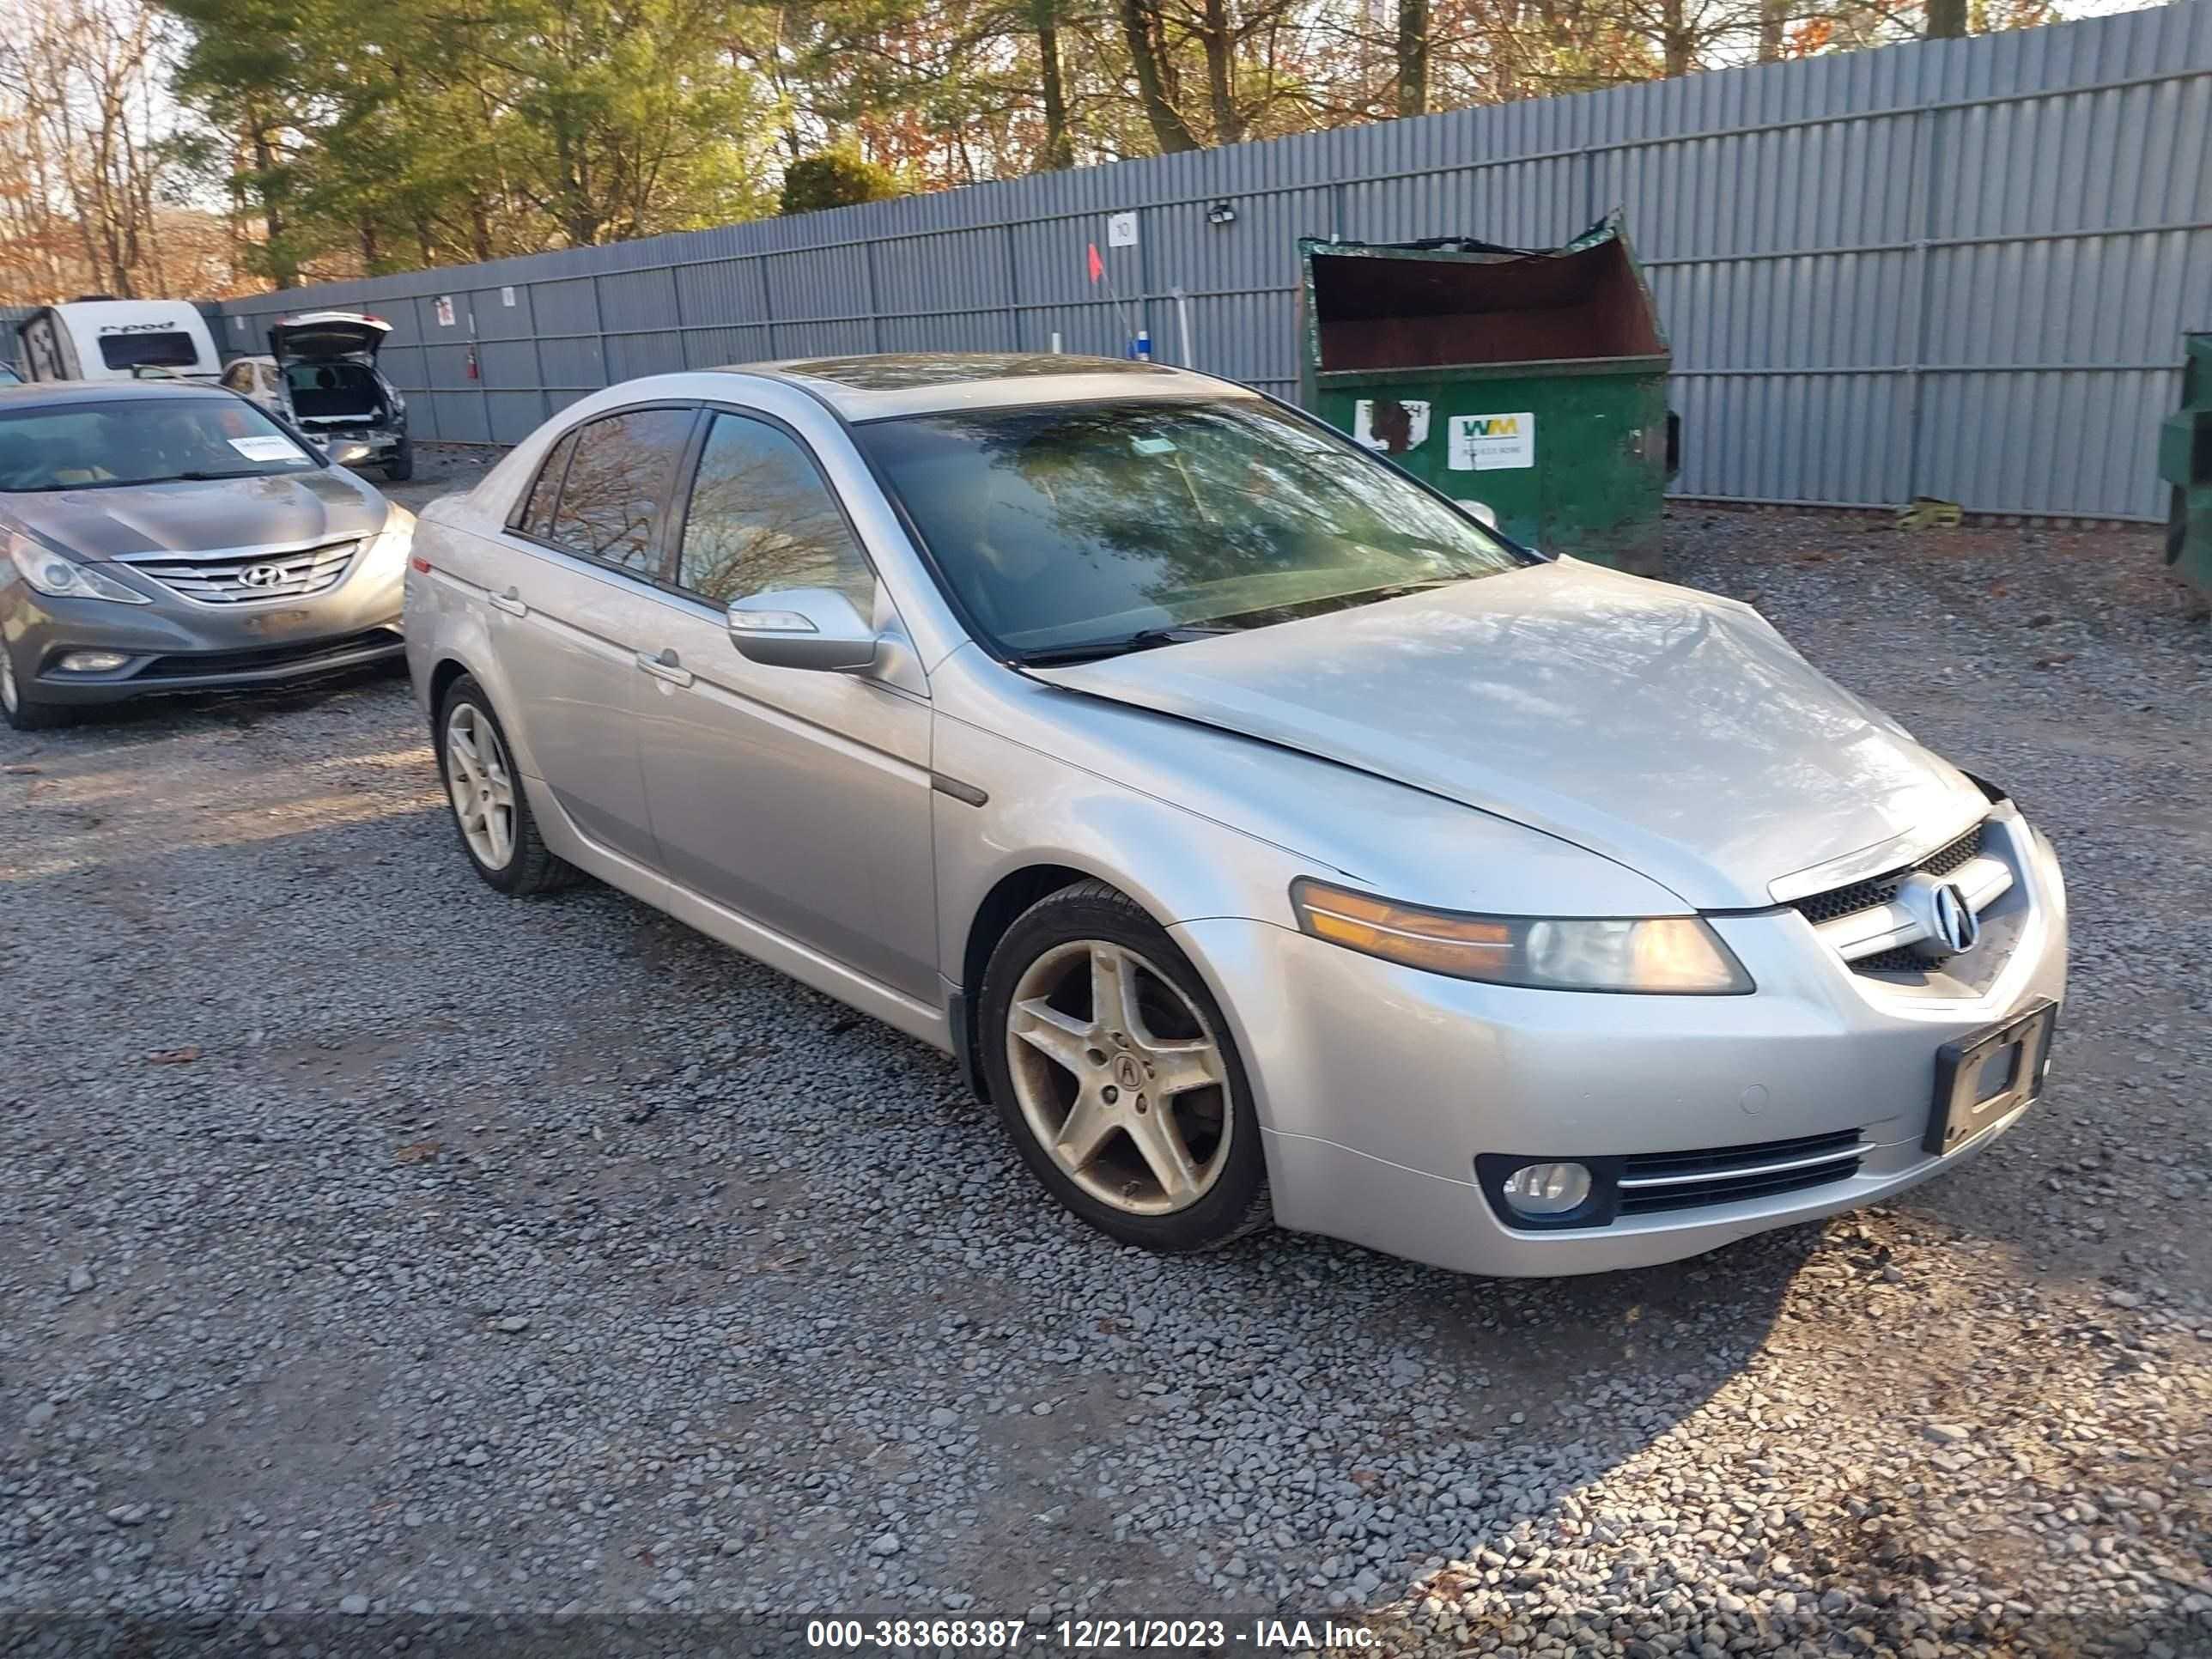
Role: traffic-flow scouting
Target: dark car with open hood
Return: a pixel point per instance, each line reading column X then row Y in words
column 158, row 537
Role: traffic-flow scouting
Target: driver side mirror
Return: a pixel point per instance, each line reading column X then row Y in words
column 814, row 628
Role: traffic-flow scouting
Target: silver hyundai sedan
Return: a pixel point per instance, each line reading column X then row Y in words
column 1267, row 838
column 159, row 536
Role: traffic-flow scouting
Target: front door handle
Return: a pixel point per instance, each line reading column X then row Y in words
column 666, row 667
column 511, row 602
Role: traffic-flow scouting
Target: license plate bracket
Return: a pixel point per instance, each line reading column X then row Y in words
column 1988, row 1074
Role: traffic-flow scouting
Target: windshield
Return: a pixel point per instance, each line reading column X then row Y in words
column 142, row 441
column 1113, row 525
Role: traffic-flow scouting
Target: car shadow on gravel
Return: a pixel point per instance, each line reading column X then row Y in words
column 1412, row 1405
column 177, row 712
column 1676, row 1465
column 1537, row 1329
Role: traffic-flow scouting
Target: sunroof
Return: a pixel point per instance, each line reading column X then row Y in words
column 900, row 374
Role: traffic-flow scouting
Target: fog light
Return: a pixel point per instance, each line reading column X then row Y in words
column 91, row 662
column 1548, row 1188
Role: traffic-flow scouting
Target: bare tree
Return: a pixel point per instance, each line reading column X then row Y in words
column 88, row 142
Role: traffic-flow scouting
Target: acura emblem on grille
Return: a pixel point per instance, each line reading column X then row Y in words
column 1948, row 925
column 1955, row 921
column 261, row 575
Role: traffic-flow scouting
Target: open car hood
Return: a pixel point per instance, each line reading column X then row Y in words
column 324, row 336
column 1668, row 729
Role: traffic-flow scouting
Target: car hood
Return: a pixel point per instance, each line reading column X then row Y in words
column 201, row 518
column 1672, row 732
column 321, row 335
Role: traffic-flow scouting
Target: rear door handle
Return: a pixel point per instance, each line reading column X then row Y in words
column 511, row 602
column 665, row 667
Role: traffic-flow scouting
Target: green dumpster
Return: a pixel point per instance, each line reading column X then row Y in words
column 1531, row 383
column 2184, row 460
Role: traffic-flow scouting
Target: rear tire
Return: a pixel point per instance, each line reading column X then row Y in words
column 21, row 714
column 400, row 467
column 490, row 807
column 1116, row 1077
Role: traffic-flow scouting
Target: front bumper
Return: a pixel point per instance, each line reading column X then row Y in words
column 358, row 446
column 1379, row 1086
column 176, row 646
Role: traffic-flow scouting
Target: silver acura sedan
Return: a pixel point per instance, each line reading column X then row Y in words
column 1267, row 838
column 159, row 536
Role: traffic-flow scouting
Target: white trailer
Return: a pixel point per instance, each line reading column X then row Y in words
column 117, row 340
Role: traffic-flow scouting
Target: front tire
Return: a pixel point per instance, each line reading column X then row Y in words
column 19, row 712
column 399, row 467
column 1115, row 1074
column 491, row 810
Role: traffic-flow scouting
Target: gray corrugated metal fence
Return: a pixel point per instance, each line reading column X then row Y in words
column 1955, row 268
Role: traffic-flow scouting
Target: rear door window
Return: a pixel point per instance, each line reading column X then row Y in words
column 616, row 485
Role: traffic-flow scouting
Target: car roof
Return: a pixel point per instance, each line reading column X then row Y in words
column 869, row 388
column 40, row 393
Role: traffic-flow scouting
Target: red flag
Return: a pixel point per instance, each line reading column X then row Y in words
column 1097, row 264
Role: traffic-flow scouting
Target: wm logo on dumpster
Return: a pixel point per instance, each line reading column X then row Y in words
column 1487, row 443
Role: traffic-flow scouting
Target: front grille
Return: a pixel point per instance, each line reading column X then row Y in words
column 1850, row 900
column 1653, row 1182
column 1901, row 961
column 1948, row 857
column 1875, row 936
column 221, row 579
column 302, row 654
column 1880, row 889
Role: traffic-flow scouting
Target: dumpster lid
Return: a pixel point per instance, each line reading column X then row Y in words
column 1453, row 300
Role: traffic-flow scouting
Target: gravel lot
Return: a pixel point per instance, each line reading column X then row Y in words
column 383, row 1258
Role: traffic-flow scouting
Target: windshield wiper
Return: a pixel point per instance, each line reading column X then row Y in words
column 1395, row 590
column 1144, row 639
column 131, row 483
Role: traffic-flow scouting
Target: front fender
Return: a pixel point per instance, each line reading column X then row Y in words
column 1193, row 821
column 1041, row 810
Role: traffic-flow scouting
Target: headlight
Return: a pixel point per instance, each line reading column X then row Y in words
column 392, row 542
column 61, row 577
column 1663, row 956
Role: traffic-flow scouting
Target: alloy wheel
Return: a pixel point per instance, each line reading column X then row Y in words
column 11, row 698
column 1119, row 1077
column 482, row 785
